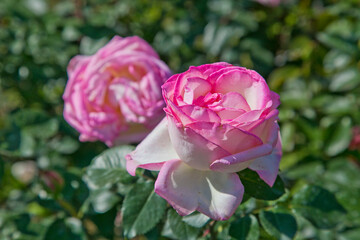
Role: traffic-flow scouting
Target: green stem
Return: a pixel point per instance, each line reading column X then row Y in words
column 70, row 209
column 7, row 155
column 213, row 233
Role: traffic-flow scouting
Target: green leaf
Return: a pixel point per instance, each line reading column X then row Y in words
column 103, row 200
column 44, row 130
column 257, row 188
column 334, row 105
column 279, row 225
column 89, row 46
column 288, row 130
column 339, row 138
column 245, row 228
column 319, row 206
column 352, row 234
column 345, row 80
column 283, row 74
column 335, row 60
column 176, row 227
column 65, row 145
column 109, row 167
column 27, row 144
column 337, row 43
column 2, row 169
column 196, row 219
column 75, row 190
column 105, row 222
column 142, row 209
column 65, row 229
column 341, row 177
column 26, row 117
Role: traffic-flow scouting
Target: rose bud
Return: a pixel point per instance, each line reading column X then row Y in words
column 355, row 141
column 220, row 120
column 52, row 181
column 115, row 95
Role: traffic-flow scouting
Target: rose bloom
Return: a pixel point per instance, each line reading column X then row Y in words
column 115, row 95
column 220, row 120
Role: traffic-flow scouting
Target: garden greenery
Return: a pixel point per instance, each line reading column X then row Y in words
column 55, row 187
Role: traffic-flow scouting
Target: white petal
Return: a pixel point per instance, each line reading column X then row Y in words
column 153, row 151
column 268, row 166
column 215, row 194
column 242, row 160
column 194, row 149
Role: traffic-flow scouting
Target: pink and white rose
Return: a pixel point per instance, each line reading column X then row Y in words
column 220, row 120
column 115, row 95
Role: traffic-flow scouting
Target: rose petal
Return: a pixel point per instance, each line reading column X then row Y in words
column 232, row 100
column 149, row 87
column 227, row 115
column 246, row 82
column 232, row 139
column 213, row 76
column 182, row 81
column 200, row 114
column 240, row 161
column 168, row 88
column 207, row 69
column 275, row 98
column 77, row 65
column 153, row 151
column 192, row 148
column 268, row 166
column 247, row 117
column 178, row 114
column 267, row 128
column 119, row 44
column 215, row 194
column 194, row 88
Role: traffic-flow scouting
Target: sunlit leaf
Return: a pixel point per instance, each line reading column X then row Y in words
column 109, row 167
column 258, row 189
column 319, row 206
column 142, row 209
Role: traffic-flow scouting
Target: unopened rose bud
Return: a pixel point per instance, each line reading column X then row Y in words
column 52, row 181
column 355, row 141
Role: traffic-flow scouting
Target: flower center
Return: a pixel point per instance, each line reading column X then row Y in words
column 208, row 99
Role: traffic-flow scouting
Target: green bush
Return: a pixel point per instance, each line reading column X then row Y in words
column 308, row 51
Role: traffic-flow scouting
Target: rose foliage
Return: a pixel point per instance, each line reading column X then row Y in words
column 63, row 57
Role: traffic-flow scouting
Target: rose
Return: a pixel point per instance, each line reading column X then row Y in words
column 220, row 120
column 115, row 95
column 52, row 181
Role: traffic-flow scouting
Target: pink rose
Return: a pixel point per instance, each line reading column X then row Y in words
column 220, row 120
column 114, row 95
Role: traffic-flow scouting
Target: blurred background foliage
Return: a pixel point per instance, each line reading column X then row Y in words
column 308, row 51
